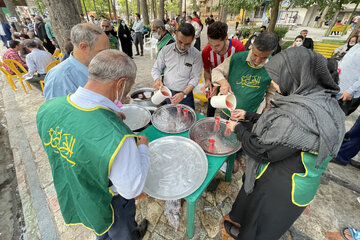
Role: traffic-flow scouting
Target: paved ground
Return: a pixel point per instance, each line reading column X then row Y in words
column 334, row 207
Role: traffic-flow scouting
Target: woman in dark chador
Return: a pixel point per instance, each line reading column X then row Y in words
column 288, row 148
column 125, row 38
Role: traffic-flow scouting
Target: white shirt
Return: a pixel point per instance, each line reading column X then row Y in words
column 131, row 164
column 179, row 69
column 37, row 61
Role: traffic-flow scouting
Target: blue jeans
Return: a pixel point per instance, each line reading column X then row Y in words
column 189, row 100
column 351, row 144
column 124, row 226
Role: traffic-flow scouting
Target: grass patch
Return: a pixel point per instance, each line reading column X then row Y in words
column 286, row 44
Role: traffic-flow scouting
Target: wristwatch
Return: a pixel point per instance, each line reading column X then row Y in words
column 184, row 94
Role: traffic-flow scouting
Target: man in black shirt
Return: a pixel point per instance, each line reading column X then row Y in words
column 308, row 42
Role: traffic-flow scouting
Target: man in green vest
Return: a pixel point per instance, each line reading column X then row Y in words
column 244, row 75
column 112, row 35
column 161, row 34
column 98, row 164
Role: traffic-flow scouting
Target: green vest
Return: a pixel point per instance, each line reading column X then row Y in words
column 81, row 145
column 114, row 43
column 248, row 83
column 163, row 42
column 304, row 185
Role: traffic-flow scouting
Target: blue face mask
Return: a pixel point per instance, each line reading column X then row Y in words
column 123, row 23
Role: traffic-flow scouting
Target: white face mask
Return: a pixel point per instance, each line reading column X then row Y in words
column 156, row 35
column 118, row 100
column 351, row 44
column 179, row 50
column 298, row 44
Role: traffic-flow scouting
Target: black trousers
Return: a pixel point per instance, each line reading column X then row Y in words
column 197, row 43
column 35, row 80
column 124, row 226
column 189, row 100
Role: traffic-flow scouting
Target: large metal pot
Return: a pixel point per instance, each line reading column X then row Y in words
column 142, row 97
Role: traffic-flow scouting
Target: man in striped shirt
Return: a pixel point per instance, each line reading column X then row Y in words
column 219, row 48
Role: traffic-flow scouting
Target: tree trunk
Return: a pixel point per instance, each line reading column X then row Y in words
column 64, row 15
column 152, row 8
column 161, row 10
column 95, row 7
column 350, row 19
column 78, row 6
column 323, row 15
column 224, row 12
column 87, row 16
column 145, row 14
column 180, row 7
column 127, row 12
column 10, row 5
column 274, row 15
column 113, row 4
column 194, row 5
column 332, row 23
column 109, row 7
column 138, row 6
column 2, row 16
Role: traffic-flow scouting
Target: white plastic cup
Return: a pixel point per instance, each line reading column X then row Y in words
column 224, row 101
column 160, row 95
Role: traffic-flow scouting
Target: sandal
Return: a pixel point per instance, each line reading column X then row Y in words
column 355, row 234
column 229, row 227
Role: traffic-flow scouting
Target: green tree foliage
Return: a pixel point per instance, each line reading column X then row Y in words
column 40, row 6
column 100, row 8
column 132, row 7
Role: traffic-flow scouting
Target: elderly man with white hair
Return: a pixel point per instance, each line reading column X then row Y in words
column 161, row 34
column 98, row 164
column 88, row 40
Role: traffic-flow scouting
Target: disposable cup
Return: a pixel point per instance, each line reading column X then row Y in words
column 160, row 95
column 224, row 101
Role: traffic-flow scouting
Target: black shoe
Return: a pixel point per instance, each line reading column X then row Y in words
column 335, row 160
column 137, row 54
column 355, row 164
column 142, row 228
column 142, row 54
column 228, row 227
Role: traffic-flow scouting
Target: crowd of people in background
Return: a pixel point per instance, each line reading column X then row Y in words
column 229, row 67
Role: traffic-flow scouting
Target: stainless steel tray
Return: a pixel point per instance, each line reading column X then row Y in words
column 166, row 119
column 178, row 166
column 204, row 129
column 137, row 116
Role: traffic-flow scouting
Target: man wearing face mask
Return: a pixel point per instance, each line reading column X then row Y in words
column 161, row 34
column 92, row 150
column 220, row 47
column 125, row 38
column 182, row 66
column 88, row 40
column 109, row 31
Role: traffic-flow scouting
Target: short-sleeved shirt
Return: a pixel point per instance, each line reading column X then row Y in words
column 212, row 60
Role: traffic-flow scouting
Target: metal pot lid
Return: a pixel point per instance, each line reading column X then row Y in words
column 173, row 172
column 204, row 129
column 142, row 94
column 166, row 118
column 136, row 116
